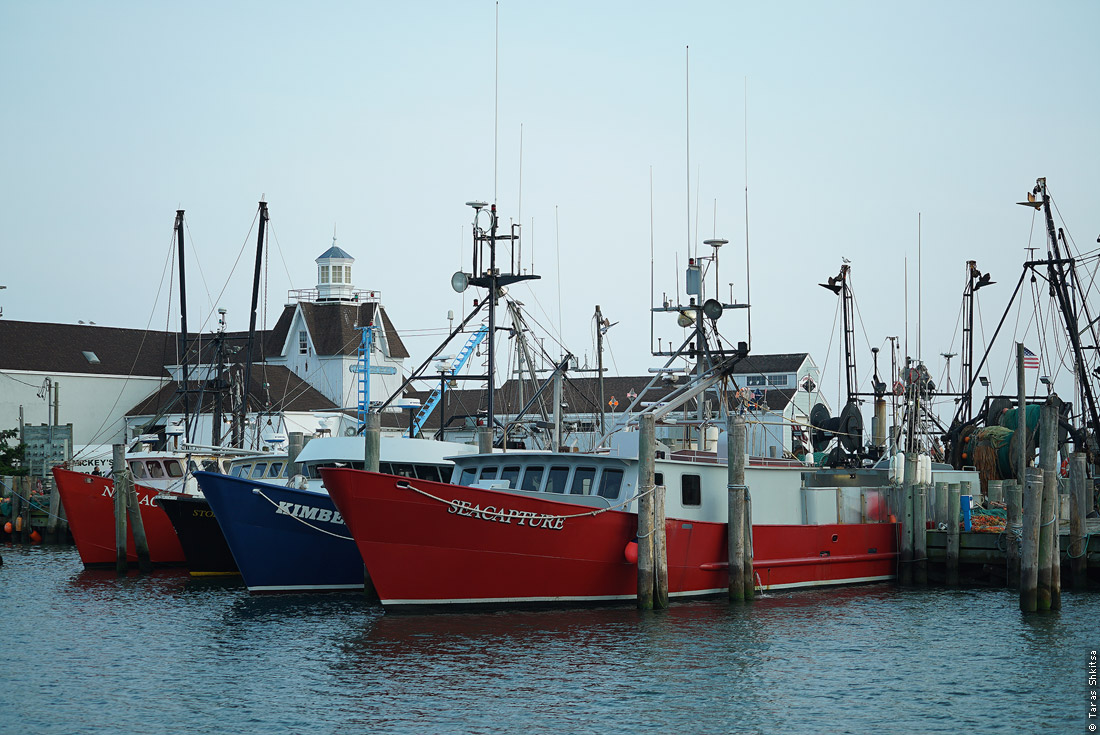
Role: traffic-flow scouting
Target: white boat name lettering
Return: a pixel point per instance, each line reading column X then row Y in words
column 109, row 492
column 506, row 515
column 309, row 513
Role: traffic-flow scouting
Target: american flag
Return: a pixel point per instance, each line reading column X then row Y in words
column 1031, row 360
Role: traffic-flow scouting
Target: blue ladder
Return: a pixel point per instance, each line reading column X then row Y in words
column 437, row 394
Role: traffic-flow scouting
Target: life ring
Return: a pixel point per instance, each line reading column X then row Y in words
column 1065, row 468
column 899, row 388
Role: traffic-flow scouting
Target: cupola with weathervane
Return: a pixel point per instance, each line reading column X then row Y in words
column 334, row 275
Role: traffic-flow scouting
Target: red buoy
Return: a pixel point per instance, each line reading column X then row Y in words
column 631, row 552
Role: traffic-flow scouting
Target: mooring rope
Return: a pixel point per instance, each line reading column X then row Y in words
column 258, row 491
column 405, row 485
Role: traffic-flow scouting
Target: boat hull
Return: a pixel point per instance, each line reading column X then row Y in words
column 90, row 510
column 434, row 544
column 200, row 536
column 283, row 539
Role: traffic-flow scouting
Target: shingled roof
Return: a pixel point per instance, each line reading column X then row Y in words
column 334, row 327
column 59, row 348
column 286, row 391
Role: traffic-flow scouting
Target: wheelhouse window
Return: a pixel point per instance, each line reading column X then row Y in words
column 556, row 479
column 611, row 482
column 276, row 469
column 427, row 472
column 468, row 475
column 658, row 478
column 175, row 469
column 690, row 491
column 259, row 470
column 511, row 474
column 582, row 481
column 138, row 468
column 156, row 471
column 404, row 469
column 241, row 470
column 488, row 473
column 532, row 479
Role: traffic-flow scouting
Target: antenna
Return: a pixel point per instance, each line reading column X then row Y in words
column 496, row 98
column 918, row 288
column 687, row 139
column 748, row 281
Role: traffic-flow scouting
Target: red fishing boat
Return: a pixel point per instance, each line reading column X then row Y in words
column 89, row 505
column 542, row 527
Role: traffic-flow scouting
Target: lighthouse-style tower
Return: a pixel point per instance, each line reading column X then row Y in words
column 334, row 275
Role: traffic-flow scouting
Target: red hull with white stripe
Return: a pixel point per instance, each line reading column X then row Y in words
column 438, row 544
column 90, row 509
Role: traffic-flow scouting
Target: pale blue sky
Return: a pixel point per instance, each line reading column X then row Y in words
column 379, row 117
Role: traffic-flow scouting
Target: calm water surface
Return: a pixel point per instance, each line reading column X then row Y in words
column 88, row 652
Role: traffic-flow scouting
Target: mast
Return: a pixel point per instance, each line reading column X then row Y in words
column 252, row 319
column 492, row 279
column 599, row 362
column 183, row 328
column 1056, row 270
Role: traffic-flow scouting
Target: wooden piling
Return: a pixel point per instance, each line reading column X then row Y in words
column 747, row 566
column 954, row 510
column 372, row 442
column 660, row 550
column 137, row 526
column 16, row 520
column 294, row 444
column 118, row 470
column 1048, row 525
column 905, row 570
column 485, row 439
column 1029, row 542
column 920, row 535
column 1013, row 510
column 1048, row 516
column 995, row 491
column 1078, row 511
column 940, row 514
column 25, row 511
column 646, row 567
column 735, row 492
column 54, row 515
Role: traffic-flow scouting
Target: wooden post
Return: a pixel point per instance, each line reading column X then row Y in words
column 735, row 491
column 137, row 525
column 54, row 514
column 905, row 571
column 646, row 450
column 1013, row 508
column 995, row 491
column 16, row 519
column 25, row 517
column 1078, row 510
column 372, row 441
column 940, row 515
column 372, row 457
column 954, row 510
column 1029, row 546
column 1021, row 417
column 485, row 439
column 1048, row 516
column 660, row 550
column 920, row 535
column 118, row 472
column 295, row 441
column 747, row 567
